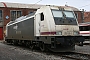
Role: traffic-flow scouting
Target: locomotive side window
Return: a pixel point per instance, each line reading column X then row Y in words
column 30, row 12
column 42, row 16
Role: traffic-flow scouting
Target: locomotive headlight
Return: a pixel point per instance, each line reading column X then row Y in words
column 59, row 33
column 76, row 33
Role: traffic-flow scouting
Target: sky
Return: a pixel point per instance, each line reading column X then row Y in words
column 80, row 4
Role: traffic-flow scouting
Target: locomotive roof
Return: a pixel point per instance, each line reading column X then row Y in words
column 32, row 6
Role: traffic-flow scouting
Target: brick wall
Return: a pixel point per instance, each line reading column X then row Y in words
column 87, row 17
column 79, row 16
column 6, row 12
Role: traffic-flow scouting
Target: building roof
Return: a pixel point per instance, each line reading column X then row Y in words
column 19, row 5
column 1, row 5
column 32, row 6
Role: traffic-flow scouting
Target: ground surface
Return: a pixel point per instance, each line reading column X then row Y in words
column 8, row 52
column 11, row 52
column 84, row 49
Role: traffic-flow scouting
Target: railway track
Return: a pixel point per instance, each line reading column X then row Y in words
column 69, row 55
column 66, row 55
column 76, row 56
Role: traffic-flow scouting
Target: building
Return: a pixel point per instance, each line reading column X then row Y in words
column 11, row 11
column 87, row 16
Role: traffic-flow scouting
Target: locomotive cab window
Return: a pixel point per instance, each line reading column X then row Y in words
column 64, row 17
column 42, row 16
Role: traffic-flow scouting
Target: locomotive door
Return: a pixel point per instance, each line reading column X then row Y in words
column 37, row 25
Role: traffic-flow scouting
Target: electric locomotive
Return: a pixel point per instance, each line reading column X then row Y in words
column 50, row 27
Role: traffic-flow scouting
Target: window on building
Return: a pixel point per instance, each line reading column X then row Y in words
column 15, row 14
column 19, row 14
column 0, row 15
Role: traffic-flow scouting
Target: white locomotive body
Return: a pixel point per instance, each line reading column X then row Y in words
column 49, row 28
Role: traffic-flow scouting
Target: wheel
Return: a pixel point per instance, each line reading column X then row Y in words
column 31, row 47
column 81, row 44
column 42, row 47
column 15, row 42
column 27, row 44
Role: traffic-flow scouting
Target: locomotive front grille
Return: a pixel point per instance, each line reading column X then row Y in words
column 67, row 33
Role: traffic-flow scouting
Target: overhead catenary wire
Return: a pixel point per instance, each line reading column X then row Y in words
column 36, row 3
column 84, row 6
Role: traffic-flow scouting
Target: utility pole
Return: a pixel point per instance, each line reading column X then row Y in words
column 82, row 15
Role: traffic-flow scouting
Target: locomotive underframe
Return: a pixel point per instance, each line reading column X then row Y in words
column 53, row 43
